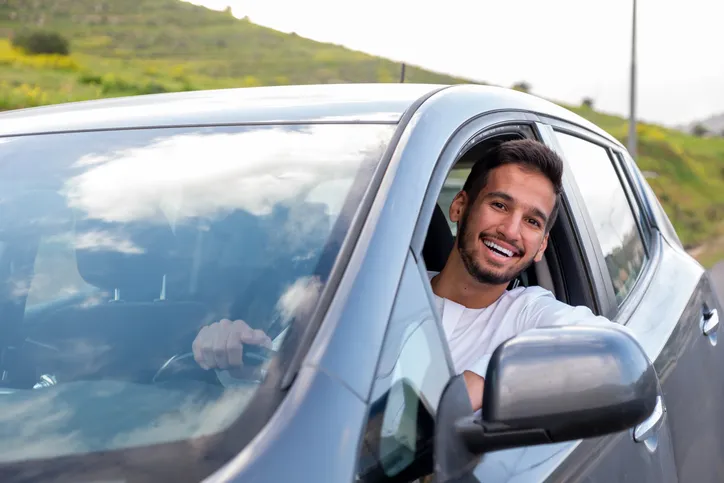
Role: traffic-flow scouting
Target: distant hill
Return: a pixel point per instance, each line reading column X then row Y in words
column 131, row 47
column 197, row 45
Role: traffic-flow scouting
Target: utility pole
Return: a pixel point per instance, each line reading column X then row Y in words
column 632, row 92
column 402, row 73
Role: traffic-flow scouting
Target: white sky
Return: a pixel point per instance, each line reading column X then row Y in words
column 566, row 49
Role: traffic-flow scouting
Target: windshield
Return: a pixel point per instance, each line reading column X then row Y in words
column 116, row 248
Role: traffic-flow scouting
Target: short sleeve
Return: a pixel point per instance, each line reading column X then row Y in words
column 544, row 310
column 480, row 366
column 537, row 307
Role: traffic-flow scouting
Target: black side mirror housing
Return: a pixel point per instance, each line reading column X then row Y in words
column 558, row 384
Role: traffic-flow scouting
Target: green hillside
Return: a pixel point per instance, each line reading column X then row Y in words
column 689, row 179
column 122, row 47
column 131, row 47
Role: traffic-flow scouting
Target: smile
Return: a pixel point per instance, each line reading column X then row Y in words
column 498, row 249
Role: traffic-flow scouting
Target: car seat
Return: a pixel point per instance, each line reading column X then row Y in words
column 127, row 330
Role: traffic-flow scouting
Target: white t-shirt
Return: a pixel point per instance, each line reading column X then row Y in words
column 473, row 334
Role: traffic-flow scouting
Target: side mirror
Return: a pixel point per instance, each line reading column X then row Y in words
column 557, row 384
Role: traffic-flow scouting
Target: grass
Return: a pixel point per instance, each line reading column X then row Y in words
column 122, row 48
column 690, row 175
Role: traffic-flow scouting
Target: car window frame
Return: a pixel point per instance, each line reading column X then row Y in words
column 653, row 243
column 589, row 267
column 580, row 229
column 468, row 134
column 649, row 236
column 416, row 267
column 657, row 219
column 586, row 264
column 481, row 127
column 457, row 144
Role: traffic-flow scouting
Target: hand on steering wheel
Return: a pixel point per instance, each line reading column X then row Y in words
column 233, row 346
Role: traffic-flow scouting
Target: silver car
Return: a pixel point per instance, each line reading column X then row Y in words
column 313, row 213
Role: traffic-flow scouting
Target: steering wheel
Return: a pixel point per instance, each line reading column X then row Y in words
column 185, row 366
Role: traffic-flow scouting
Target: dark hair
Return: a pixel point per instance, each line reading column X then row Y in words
column 526, row 153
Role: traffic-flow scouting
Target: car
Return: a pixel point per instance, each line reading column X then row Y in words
column 314, row 213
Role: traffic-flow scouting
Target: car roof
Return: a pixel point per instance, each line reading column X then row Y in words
column 374, row 103
column 308, row 103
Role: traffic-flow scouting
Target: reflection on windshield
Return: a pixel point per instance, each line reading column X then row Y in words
column 176, row 178
column 116, row 248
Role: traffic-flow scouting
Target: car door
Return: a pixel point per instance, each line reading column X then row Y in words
column 694, row 388
column 616, row 457
column 674, row 312
column 405, row 397
column 414, row 365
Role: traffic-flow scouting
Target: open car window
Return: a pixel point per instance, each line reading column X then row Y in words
column 116, row 248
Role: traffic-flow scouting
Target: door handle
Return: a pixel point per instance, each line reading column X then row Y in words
column 710, row 322
column 651, row 425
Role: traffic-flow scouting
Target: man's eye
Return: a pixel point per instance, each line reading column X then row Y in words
column 498, row 205
column 534, row 222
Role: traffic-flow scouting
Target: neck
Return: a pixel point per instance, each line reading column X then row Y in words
column 456, row 284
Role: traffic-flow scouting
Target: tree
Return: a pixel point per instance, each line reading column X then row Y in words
column 587, row 102
column 41, row 42
column 522, row 86
column 700, row 130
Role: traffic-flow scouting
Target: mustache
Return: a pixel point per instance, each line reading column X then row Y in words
column 517, row 247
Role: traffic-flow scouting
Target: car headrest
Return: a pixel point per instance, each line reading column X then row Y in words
column 439, row 241
column 31, row 214
column 130, row 257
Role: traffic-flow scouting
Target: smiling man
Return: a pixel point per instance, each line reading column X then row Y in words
column 504, row 214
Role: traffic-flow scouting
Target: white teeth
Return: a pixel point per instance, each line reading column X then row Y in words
column 498, row 248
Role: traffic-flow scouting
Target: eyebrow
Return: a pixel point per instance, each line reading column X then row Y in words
column 505, row 196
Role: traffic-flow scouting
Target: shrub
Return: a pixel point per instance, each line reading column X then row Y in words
column 522, row 86
column 41, row 43
column 90, row 78
column 700, row 130
column 152, row 88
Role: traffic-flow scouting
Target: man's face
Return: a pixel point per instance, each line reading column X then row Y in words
column 503, row 232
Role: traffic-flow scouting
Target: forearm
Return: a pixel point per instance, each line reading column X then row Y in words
column 475, row 385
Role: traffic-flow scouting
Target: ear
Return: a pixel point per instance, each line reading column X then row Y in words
column 457, row 207
column 544, row 244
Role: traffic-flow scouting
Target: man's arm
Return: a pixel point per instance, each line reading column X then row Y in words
column 474, row 376
column 543, row 311
column 475, row 385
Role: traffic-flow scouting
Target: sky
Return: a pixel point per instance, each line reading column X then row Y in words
column 565, row 49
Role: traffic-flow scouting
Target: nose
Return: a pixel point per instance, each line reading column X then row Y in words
column 509, row 228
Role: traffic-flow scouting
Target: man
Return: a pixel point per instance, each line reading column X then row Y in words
column 504, row 214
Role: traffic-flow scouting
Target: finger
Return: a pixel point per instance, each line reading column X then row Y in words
column 197, row 348
column 234, row 350
column 268, row 343
column 262, row 339
column 222, row 335
column 207, row 347
column 245, row 333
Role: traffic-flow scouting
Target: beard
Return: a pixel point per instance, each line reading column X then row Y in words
column 479, row 273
